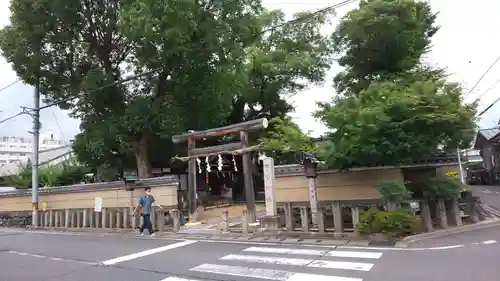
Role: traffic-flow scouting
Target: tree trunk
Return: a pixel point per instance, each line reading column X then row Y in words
column 142, row 158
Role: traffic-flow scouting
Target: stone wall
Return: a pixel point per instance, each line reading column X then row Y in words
column 113, row 195
column 358, row 184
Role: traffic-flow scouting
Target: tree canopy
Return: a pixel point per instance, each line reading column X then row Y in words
column 391, row 108
column 211, row 63
column 285, row 136
column 381, row 39
column 53, row 175
column 215, row 62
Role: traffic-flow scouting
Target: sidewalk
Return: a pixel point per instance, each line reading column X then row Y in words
column 230, row 237
column 327, row 239
column 208, row 229
column 210, row 219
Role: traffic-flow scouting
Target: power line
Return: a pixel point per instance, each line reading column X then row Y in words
column 488, row 90
column 488, row 107
column 125, row 80
column 482, row 76
column 11, row 117
column 134, row 77
column 10, row 85
column 311, row 15
column 479, row 81
column 59, row 128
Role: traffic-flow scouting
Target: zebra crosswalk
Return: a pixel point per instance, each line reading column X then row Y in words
column 256, row 263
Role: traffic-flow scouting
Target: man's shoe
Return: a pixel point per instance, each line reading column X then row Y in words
column 142, row 234
column 152, row 235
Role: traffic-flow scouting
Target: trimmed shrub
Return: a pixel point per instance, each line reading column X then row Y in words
column 395, row 224
column 393, row 191
column 442, row 187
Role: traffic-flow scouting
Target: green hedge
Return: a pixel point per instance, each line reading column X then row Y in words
column 396, row 224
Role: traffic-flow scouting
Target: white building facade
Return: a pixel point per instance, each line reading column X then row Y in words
column 14, row 149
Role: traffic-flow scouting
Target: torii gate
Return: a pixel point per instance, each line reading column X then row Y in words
column 235, row 148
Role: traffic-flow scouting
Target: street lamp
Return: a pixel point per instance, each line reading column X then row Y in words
column 310, row 167
column 129, row 178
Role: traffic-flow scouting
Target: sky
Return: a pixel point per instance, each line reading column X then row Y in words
column 465, row 45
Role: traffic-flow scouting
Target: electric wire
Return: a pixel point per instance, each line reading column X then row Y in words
column 483, row 75
column 10, row 85
column 478, row 98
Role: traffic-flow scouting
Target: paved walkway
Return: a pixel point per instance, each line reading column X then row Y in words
column 211, row 218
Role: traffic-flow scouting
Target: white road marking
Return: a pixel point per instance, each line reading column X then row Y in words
column 351, row 254
column 319, row 246
column 489, row 242
column 147, row 252
column 250, row 242
column 341, row 265
column 316, row 277
column 37, row 256
column 308, row 252
column 270, row 260
column 311, row 252
column 437, row 248
column 178, row 279
column 486, row 191
column 269, row 274
column 302, row 262
column 401, row 249
column 47, row 257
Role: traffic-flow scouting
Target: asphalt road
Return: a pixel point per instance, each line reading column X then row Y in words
column 490, row 194
column 77, row 257
column 466, row 238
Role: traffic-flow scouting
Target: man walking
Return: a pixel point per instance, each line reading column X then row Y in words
column 146, row 203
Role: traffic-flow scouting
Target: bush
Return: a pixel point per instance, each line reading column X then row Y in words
column 442, row 187
column 393, row 191
column 395, row 224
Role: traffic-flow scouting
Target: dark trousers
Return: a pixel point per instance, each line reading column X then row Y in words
column 146, row 223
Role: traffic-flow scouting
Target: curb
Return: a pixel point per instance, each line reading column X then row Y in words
column 268, row 239
column 405, row 242
column 231, row 238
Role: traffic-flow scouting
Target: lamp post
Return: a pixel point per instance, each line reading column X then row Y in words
column 129, row 178
column 310, row 164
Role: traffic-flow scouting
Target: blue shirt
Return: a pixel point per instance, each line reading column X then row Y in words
column 146, row 202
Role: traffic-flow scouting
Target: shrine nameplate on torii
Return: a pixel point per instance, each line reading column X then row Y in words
column 241, row 147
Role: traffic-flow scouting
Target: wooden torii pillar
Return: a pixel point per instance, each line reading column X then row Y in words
column 241, row 147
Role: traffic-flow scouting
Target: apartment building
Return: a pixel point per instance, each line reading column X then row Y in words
column 13, row 149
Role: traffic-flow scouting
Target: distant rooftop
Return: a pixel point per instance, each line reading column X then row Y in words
column 45, row 156
column 490, row 133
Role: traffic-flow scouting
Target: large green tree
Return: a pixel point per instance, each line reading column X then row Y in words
column 213, row 64
column 381, row 40
column 257, row 78
column 391, row 108
column 76, row 47
column 286, row 58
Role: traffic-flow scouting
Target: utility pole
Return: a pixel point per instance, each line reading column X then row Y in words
column 460, row 167
column 35, row 154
